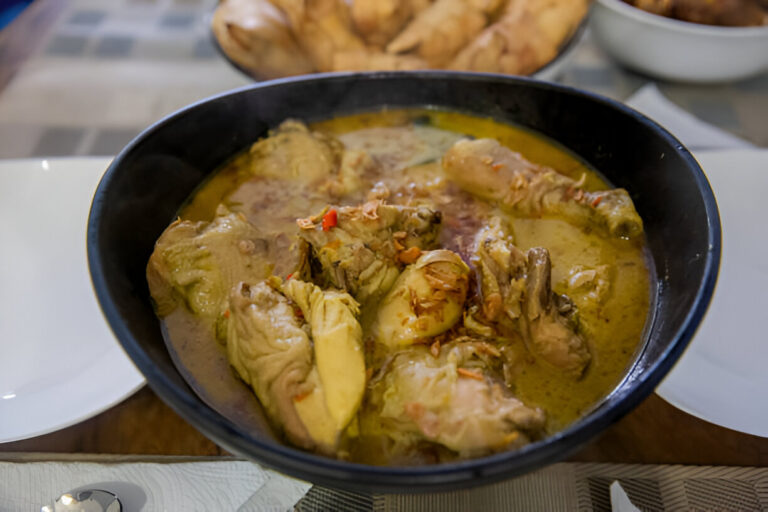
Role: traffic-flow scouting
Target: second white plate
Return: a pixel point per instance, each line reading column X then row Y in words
column 722, row 376
column 60, row 362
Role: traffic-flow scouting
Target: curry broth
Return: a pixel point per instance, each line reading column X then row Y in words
column 615, row 329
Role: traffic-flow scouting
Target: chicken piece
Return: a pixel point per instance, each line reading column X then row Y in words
column 516, row 292
column 486, row 168
column 338, row 347
column 452, row 400
column 293, row 152
column 270, row 351
column 548, row 321
column 310, row 377
column 257, row 36
column 197, row 263
column 380, row 20
column 316, row 162
column 372, row 60
column 426, row 300
column 438, row 32
column 528, row 35
column 323, row 28
column 361, row 249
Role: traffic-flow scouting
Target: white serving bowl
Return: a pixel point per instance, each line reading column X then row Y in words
column 678, row 50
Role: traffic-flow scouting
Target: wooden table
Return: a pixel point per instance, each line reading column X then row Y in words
column 655, row 432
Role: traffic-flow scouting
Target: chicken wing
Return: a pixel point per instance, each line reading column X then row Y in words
column 549, row 326
column 517, row 294
column 486, row 168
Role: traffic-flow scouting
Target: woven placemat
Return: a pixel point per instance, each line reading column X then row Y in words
column 576, row 486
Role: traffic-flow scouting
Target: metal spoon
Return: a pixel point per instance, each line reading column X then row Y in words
column 89, row 500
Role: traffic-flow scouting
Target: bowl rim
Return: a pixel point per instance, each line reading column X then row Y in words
column 337, row 473
column 689, row 27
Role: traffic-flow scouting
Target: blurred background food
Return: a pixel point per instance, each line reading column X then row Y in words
column 729, row 13
column 275, row 38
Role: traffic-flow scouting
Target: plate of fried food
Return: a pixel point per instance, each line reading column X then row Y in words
column 274, row 38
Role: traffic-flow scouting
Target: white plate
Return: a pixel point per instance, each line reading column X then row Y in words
column 723, row 375
column 60, row 363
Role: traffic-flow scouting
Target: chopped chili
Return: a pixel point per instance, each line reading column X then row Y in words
column 330, row 219
column 226, row 314
column 497, row 167
column 289, row 276
column 597, row 201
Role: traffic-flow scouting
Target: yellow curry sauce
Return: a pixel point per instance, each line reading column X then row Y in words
column 614, row 329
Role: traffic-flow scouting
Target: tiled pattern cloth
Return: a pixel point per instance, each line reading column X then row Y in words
column 109, row 69
column 572, row 486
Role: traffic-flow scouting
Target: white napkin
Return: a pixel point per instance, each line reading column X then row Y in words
column 278, row 493
column 619, row 499
column 692, row 132
column 222, row 484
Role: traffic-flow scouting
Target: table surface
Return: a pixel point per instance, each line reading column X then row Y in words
column 82, row 77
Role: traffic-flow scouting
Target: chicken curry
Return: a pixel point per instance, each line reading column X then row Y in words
column 404, row 287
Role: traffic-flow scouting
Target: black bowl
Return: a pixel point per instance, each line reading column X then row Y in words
column 147, row 182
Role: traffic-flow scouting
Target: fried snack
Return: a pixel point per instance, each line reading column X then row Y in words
column 274, row 38
column 256, row 35
column 367, row 60
column 437, row 33
column 323, row 28
column 378, row 21
column 528, row 35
